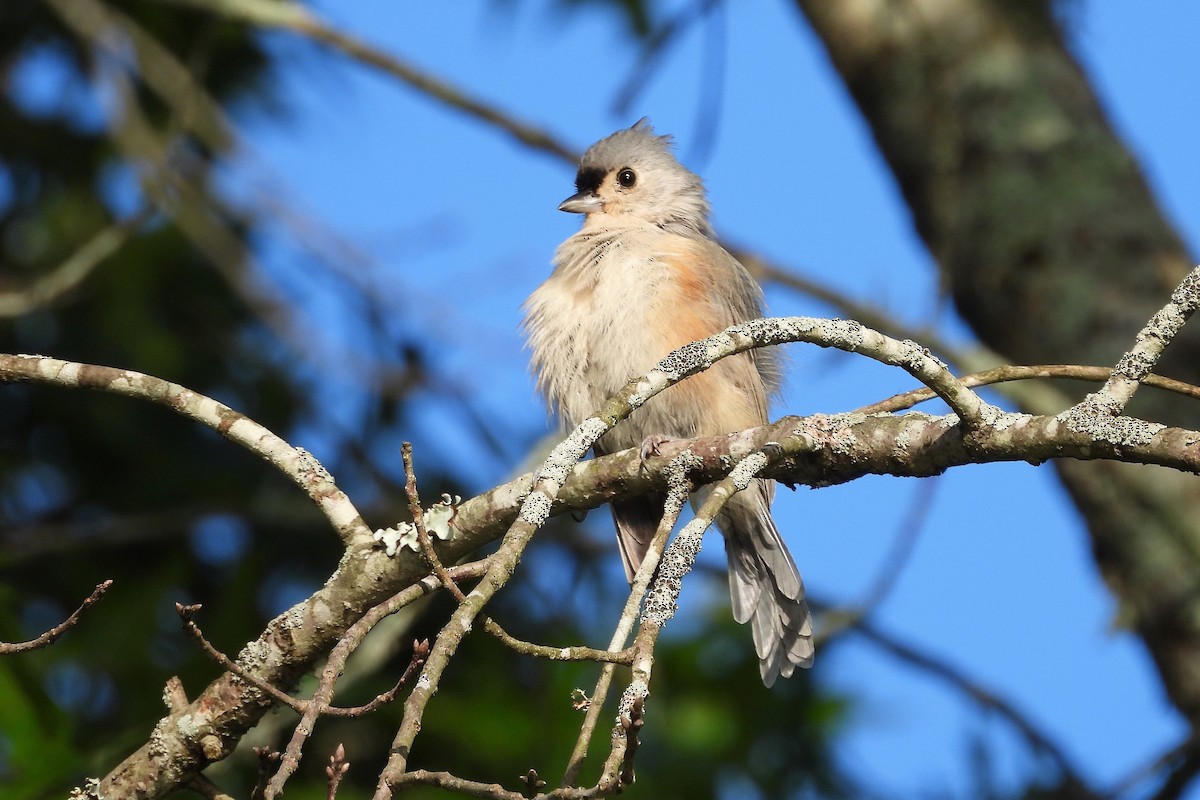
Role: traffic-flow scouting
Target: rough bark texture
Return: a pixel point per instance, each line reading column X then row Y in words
column 1052, row 246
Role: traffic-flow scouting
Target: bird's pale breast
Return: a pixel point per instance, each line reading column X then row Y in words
column 614, row 306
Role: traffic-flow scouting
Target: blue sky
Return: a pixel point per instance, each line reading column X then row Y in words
column 458, row 225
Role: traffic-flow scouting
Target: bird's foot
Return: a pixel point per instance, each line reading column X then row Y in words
column 651, row 444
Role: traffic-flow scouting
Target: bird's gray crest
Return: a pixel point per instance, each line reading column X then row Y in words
column 636, row 143
column 667, row 192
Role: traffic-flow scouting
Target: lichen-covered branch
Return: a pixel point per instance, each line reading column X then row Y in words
column 678, row 489
column 843, row 447
column 1148, row 347
column 294, row 462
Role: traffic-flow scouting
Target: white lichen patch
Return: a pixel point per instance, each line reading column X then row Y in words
column 1090, row 420
column 402, row 535
column 536, row 508
column 295, row 616
column 440, row 516
column 1007, row 420
column 1187, row 293
column 188, row 726
column 785, row 329
column 89, row 791
column 691, row 356
column 990, row 414
column 902, row 443
column 747, row 468
column 833, row 431
column 1136, row 364
column 677, row 468
column 254, row 653
column 843, row 334
column 582, row 438
column 438, row 520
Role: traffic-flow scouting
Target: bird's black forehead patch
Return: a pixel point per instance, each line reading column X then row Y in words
column 588, row 179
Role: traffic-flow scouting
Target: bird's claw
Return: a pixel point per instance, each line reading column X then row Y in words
column 651, row 444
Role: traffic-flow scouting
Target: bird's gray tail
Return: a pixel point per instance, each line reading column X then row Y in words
column 637, row 520
column 764, row 585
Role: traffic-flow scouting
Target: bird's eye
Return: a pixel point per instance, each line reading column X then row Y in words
column 626, row 178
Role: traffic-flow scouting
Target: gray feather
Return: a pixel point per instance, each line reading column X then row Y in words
column 637, row 519
column 765, row 586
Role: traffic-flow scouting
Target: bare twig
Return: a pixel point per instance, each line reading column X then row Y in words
column 49, row 637
column 338, row 766
column 1023, row 373
column 289, row 759
column 267, row 759
column 300, row 19
column 420, row 652
column 633, row 722
column 186, row 612
column 453, row 783
column 322, row 699
column 662, row 599
column 678, row 489
column 418, row 517
column 204, row 787
column 489, row 624
column 73, row 271
column 494, row 791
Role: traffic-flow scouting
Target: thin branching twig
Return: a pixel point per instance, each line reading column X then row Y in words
column 49, row 637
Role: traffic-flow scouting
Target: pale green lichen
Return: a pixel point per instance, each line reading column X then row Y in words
column 89, row 791
column 438, row 520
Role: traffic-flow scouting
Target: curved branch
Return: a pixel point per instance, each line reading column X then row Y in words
column 73, row 271
column 294, row 462
column 1006, row 373
column 49, row 637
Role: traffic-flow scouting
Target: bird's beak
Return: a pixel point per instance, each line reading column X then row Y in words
column 582, row 203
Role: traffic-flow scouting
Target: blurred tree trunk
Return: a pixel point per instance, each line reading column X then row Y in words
column 1052, row 246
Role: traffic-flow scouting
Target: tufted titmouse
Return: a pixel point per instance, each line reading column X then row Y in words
column 642, row 277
